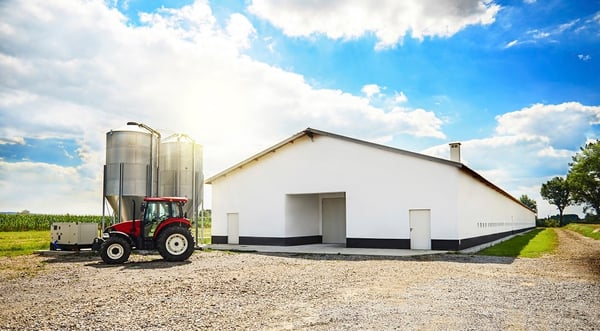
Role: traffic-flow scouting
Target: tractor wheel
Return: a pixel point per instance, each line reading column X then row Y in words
column 115, row 250
column 175, row 243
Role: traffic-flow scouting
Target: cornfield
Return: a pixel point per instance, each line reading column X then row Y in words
column 39, row 222
column 28, row 222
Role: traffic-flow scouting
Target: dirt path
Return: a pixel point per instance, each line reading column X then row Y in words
column 578, row 252
column 226, row 291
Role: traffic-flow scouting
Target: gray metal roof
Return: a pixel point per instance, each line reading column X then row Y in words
column 310, row 132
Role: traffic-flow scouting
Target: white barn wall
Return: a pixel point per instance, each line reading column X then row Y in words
column 380, row 187
column 484, row 211
column 388, row 185
column 279, row 195
column 302, row 215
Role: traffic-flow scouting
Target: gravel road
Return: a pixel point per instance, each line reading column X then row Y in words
column 248, row 291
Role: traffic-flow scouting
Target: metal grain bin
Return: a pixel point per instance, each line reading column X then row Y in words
column 181, row 171
column 131, row 170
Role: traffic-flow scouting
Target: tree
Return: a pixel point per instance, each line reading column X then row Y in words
column 529, row 202
column 584, row 177
column 556, row 192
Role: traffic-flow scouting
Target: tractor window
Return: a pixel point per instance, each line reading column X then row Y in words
column 157, row 211
column 177, row 212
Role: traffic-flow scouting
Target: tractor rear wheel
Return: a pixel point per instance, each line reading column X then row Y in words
column 115, row 250
column 175, row 243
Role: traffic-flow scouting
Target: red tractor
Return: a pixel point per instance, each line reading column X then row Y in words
column 163, row 226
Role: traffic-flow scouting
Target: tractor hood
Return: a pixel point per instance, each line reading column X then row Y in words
column 131, row 228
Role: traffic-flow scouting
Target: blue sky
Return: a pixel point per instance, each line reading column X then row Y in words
column 517, row 82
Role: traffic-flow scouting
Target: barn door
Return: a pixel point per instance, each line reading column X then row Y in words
column 233, row 229
column 334, row 220
column 420, row 229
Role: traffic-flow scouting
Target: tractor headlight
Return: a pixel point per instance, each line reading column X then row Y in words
column 105, row 235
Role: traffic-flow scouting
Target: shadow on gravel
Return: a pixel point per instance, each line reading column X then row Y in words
column 454, row 258
column 71, row 258
column 152, row 264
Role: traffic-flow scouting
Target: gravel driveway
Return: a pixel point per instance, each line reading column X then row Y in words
column 222, row 291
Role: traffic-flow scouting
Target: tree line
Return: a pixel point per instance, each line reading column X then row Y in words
column 581, row 185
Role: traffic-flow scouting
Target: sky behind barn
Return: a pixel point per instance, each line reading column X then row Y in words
column 517, row 82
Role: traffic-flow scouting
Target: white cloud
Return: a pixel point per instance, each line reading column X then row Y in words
column 584, row 57
column 42, row 188
column 511, row 44
column 556, row 33
column 240, row 30
column 400, row 97
column 530, row 146
column 370, row 90
column 390, row 21
column 180, row 72
column 12, row 140
column 566, row 125
column 537, row 34
column 566, row 26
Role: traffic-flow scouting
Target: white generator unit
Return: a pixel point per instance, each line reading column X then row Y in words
column 68, row 236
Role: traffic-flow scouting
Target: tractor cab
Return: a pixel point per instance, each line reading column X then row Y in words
column 159, row 212
column 163, row 227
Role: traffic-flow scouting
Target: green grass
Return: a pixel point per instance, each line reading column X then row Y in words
column 531, row 244
column 23, row 242
column 207, row 237
column 585, row 229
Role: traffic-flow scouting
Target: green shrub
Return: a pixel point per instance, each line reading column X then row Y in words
column 547, row 222
column 551, row 223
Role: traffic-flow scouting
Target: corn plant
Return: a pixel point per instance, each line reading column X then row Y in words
column 40, row 222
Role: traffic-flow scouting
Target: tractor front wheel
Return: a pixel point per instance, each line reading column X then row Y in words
column 175, row 243
column 115, row 250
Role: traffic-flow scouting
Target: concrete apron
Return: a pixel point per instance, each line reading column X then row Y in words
column 319, row 249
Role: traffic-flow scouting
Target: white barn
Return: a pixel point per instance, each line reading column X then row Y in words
column 320, row 187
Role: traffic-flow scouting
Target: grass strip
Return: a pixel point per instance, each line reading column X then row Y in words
column 588, row 230
column 14, row 243
column 531, row 244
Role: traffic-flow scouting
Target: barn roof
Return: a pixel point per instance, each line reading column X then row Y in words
column 310, row 132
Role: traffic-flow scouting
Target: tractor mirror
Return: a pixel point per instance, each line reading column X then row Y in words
column 142, row 206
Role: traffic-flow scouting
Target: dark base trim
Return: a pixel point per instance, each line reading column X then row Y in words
column 378, row 243
column 218, row 239
column 436, row 244
column 271, row 241
column 458, row 244
column 281, row 241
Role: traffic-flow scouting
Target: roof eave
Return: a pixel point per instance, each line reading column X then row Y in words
column 255, row 157
column 482, row 179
